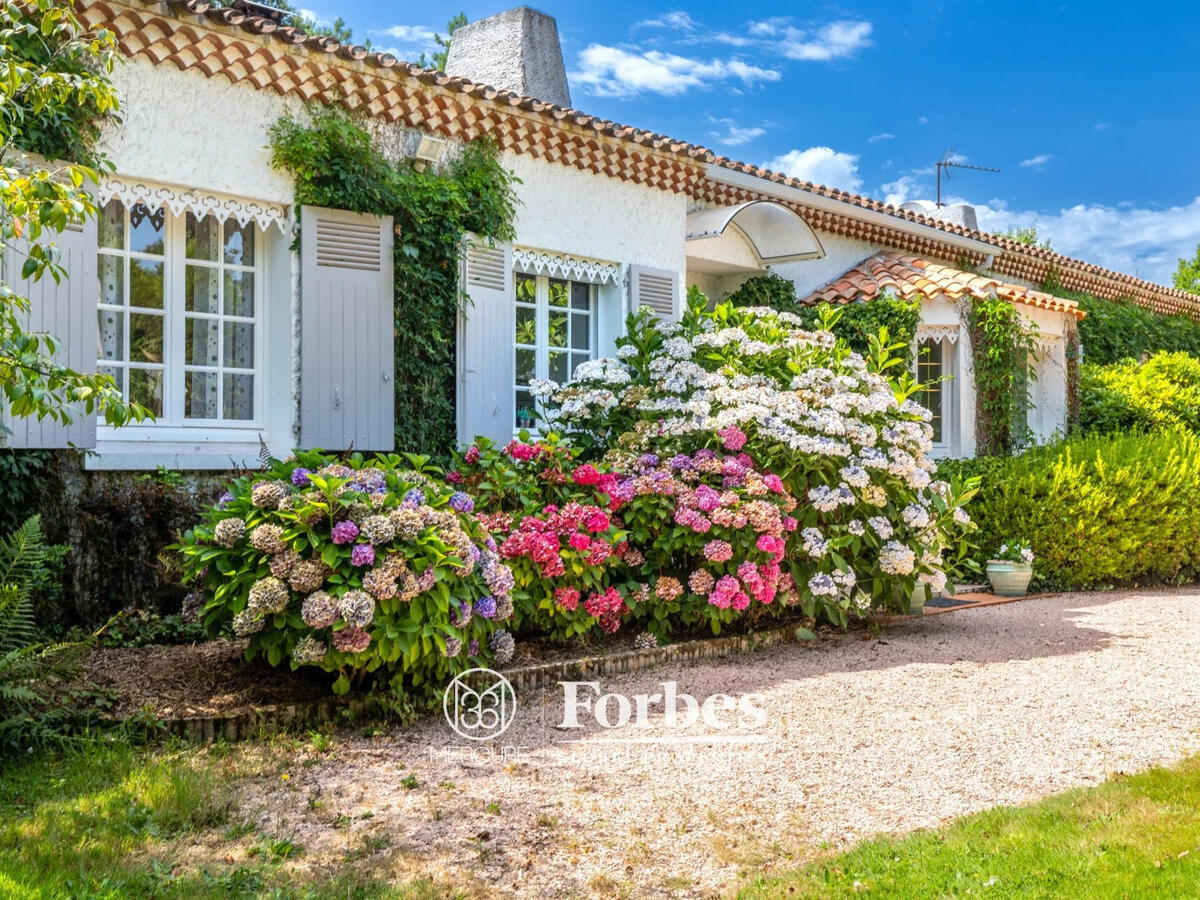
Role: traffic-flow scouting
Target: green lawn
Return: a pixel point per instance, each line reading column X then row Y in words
column 112, row 822
column 1134, row 836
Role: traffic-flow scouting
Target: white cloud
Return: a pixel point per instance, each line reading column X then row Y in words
column 883, row 136
column 409, row 34
column 613, row 72
column 922, row 120
column 820, row 165
column 835, row 40
column 411, row 40
column 906, row 187
column 1101, row 126
column 678, row 20
column 734, row 135
column 1035, row 162
column 1144, row 242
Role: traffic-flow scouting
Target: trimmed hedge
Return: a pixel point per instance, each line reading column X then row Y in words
column 1116, row 330
column 1099, row 510
column 1162, row 392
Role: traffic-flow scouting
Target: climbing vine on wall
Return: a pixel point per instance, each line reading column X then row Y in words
column 857, row 322
column 1003, row 348
column 335, row 165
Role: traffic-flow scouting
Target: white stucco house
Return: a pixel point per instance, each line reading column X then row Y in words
column 190, row 293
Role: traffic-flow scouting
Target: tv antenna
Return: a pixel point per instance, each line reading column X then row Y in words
column 946, row 163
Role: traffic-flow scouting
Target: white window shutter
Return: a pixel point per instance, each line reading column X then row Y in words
column 657, row 289
column 486, row 404
column 67, row 310
column 347, row 331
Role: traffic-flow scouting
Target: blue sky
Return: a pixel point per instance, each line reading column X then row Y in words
column 1091, row 110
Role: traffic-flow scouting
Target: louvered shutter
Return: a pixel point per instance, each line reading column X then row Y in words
column 66, row 309
column 486, row 404
column 657, row 289
column 347, row 331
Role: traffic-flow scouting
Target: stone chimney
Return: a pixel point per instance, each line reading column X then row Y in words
column 956, row 213
column 516, row 51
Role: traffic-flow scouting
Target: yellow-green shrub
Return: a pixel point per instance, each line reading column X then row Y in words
column 1161, row 392
column 1097, row 510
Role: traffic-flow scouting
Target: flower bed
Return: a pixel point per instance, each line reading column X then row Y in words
column 724, row 470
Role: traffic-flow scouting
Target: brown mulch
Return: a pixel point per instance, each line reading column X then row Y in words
column 209, row 679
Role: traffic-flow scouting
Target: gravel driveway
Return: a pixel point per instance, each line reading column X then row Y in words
column 930, row 720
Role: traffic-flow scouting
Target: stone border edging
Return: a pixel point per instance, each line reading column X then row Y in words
column 277, row 717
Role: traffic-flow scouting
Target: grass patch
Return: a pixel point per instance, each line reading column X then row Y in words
column 107, row 821
column 1133, row 836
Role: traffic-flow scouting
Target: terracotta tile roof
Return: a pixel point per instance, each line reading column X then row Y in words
column 216, row 40
column 910, row 277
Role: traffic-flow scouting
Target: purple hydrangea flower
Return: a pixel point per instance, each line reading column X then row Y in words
column 460, row 614
column 225, row 498
column 462, row 502
column 486, row 607
column 344, row 532
column 415, row 496
column 362, row 555
column 300, row 477
column 648, row 460
column 473, row 648
column 681, row 461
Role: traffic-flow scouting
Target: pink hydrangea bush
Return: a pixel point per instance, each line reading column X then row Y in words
column 353, row 568
column 710, row 531
column 554, row 525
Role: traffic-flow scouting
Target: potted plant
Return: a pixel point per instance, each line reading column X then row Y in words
column 1011, row 569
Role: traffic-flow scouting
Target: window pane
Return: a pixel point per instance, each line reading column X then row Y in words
column 203, row 238
column 559, row 291
column 525, row 409
column 239, row 345
column 112, row 279
column 526, row 362
column 558, row 367
column 239, row 243
column 201, row 289
column 203, row 398
column 558, row 330
column 581, row 332
column 239, row 397
column 526, row 288
column 145, row 284
column 147, row 229
column 111, row 338
column 239, row 294
column 203, row 342
column 526, row 326
column 145, row 338
column 145, row 387
column 112, row 225
column 581, row 295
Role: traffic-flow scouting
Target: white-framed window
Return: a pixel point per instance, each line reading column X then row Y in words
column 936, row 366
column 555, row 330
column 180, row 310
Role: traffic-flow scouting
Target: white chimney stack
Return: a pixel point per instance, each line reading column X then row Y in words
column 516, row 51
column 955, row 213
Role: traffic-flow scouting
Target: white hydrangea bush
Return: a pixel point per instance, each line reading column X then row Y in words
column 872, row 522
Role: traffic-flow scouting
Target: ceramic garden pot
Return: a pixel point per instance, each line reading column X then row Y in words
column 1009, row 579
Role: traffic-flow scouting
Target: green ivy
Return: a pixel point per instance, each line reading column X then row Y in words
column 857, row 322
column 1002, row 347
column 335, row 165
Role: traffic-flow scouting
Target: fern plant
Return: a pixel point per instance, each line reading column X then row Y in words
column 29, row 670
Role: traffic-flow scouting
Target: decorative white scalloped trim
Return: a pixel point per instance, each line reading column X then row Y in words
column 557, row 265
column 928, row 333
column 180, row 200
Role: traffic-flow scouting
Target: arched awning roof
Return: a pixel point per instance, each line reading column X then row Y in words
column 774, row 233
